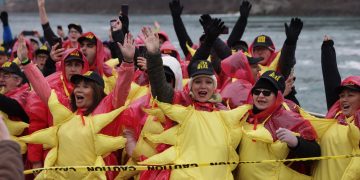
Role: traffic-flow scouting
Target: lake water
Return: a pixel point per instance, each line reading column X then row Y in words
column 309, row 82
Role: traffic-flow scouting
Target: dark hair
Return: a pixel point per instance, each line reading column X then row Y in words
column 98, row 95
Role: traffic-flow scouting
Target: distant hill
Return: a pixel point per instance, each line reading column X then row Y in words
column 260, row 7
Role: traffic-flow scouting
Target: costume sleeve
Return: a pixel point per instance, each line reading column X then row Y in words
column 306, row 148
column 160, row 89
column 7, row 36
column 118, row 36
column 237, row 31
column 330, row 72
column 11, row 166
column 12, row 108
column 123, row 84
column 49, row 34
column 181, row 34
column 287, row 59
column 38, row 82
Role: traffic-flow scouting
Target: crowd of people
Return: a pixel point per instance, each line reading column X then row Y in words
column 77, row 100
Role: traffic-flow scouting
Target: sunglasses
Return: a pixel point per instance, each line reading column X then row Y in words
column 264, row 92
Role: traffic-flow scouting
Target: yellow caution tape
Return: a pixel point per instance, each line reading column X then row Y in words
column 176, row 166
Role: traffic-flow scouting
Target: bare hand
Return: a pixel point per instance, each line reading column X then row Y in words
column 151, row 40
column 141, row 62
column 287, row 136
column 128, row 48
column 327, row 38
column 22, row 51
column 56, row 54
column 289, row 84
column 4, row 132
column 117, row 25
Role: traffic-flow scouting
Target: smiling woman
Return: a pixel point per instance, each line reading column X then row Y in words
column 76, row 127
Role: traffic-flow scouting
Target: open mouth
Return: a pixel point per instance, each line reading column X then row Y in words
column 79, row 98
column 346, row 107
column 202, row 93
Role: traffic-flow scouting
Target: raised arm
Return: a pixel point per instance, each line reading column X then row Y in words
column 287, row 59
column 7, row 35
column 33, row 74
column 48, row 32
column 212, row 31
column 179, row 27
column 330, row 71
column 240, row 25
column 160, row 89
column 125, row 72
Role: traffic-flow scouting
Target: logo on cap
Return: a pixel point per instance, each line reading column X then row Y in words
column 90, row 36
column 261, row 39
column 88, row 73
column 202, row 65
column 7, row 64
column 43, row 48
column 75, row 53
column 274, row 76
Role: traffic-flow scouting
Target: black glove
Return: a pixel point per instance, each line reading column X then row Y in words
column 293, row 31
column 4, row 18
column 245, row 8
column 125, row 23
column 175, row 8
column 213, row 31
column 205, row 21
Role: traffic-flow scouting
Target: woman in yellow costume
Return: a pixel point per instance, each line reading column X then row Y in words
column 272, row 131
column 343, row 135
column 74, row 138
column 202, row 131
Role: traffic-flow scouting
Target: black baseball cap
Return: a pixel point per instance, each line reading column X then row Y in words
column 11, row 67
column 76, row 27
column 89, row 36
column 200, row 67
column 271, row 80
column 264, row 41
column 253, row 60
column 90, row 75
column 75, row 55
column 42, row 50
column 352, row 87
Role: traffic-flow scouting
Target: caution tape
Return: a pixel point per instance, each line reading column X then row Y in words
column 175, row 166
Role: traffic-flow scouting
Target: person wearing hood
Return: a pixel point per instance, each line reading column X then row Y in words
column 93, row 49
column 273, row 132
column 242, row 70
column 95, row 101
column 343, row 102
column 75, row 30
column 283, row 62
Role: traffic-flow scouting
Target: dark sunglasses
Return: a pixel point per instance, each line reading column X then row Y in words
column 264, row 92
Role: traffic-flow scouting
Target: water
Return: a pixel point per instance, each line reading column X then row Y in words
column 309, row 82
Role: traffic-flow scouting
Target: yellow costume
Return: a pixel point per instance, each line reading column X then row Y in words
column 336, row 139
column 199, row 137
column 16, row 128
column 257, row 145
column 73, row 140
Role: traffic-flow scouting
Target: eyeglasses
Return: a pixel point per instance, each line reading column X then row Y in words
column 264, row 92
